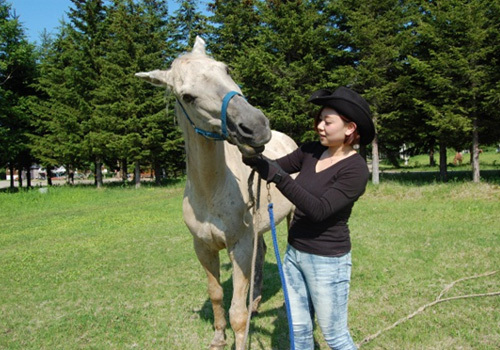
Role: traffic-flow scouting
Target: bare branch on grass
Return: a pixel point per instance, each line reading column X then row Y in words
column 438, row 300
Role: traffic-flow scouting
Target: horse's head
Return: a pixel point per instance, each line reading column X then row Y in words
column 200, row 84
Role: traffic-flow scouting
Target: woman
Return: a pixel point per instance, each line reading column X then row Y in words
column 331, row 177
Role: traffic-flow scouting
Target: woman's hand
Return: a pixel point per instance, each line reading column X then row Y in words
column 268, row 169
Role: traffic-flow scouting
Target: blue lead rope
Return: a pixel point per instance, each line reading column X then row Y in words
column 282, row 275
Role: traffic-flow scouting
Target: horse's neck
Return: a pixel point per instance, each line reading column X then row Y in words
column 205, row 162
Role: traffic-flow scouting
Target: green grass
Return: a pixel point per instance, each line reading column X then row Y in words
column 409, row 243
column 488, row 160
column 114, row 269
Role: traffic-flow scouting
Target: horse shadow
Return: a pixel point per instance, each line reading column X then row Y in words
column 272, row 285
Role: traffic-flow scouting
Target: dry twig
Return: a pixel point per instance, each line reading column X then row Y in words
column 438, row 300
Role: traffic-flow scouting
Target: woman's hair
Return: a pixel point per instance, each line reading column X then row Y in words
column 350, row 140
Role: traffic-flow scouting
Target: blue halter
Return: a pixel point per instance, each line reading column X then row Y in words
column 223, row 117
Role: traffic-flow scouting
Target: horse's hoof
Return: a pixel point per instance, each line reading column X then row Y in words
column 218, row 342
column 256, row 304
column 218, row 346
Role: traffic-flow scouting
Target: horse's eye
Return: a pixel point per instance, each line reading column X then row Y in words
column 188, row 98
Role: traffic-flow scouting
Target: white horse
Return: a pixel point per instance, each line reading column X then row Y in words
column 217, row 206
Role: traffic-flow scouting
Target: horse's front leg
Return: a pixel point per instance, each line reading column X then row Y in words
column 209, row 259
column 241, row 258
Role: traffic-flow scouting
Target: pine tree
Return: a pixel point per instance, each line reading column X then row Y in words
column 58, row 138
column 488, row 126
column 234, row 24
column 17, row 72
column 296, row 36
column 186, row 23
column 278, row 53
column 455, row 69
column 163, row 138
column 87, row 31
column 375, row 30
column 136, row 120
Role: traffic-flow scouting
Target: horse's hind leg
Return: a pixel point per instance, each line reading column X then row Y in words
column 259, row 274
column 209, row 259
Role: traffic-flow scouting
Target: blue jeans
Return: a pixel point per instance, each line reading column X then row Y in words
column 318, row 285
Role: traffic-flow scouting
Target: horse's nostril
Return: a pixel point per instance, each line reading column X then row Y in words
column 245, row 130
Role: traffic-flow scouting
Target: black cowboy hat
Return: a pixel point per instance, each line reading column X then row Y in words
column 352, row 106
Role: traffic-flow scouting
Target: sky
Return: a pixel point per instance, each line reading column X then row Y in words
column 37, row 15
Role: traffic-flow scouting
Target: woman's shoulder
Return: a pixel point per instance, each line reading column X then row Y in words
column 355, row 163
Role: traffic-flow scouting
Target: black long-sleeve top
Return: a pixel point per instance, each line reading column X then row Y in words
column 323, row 200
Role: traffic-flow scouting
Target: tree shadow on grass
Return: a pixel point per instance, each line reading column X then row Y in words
column 420, row 178
column 131, row 184
column 9, row 190
column 91, row 184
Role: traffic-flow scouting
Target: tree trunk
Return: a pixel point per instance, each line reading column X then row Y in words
column 443, row 170
column 28, row 176
column 475, row 153
column 432, row 161
column 375, row 162
column 98, row 173
column 49, row 176
column 361, row 151
column 137, row 174
column 158, row 173
column 11, row 169
column 70, row 180
column 123, row 168
column 393, row 158
column 20, row 177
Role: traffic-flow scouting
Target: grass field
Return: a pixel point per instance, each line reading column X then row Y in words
column 114, row 269
column 489, row 159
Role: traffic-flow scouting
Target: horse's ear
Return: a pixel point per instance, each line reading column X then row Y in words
column 155, row 77
column 199, row 46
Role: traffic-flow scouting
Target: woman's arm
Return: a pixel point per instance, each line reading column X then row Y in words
column 347, row 188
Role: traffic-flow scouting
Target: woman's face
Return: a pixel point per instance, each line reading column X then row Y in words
column 332, row 129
